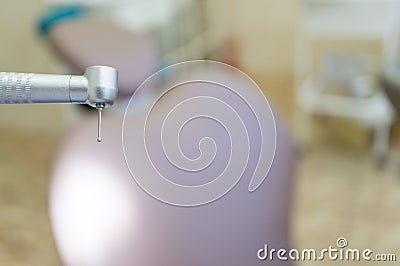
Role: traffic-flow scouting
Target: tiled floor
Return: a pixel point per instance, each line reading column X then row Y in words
column 341, row 193
column 25, row 234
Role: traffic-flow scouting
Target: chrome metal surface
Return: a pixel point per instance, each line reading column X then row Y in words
column 97, row 87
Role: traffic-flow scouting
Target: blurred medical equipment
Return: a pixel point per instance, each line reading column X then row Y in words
column 97, row 88
column 83, row 42
column 100, row 216
column 178, row 30
column 342, row 83
column 390, row 74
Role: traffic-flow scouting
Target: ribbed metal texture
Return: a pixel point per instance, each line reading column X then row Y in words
column 15, row 88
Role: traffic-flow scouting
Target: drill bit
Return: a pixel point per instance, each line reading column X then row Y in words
column 99, row 107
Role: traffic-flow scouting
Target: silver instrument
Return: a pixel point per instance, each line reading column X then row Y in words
column 97, row 87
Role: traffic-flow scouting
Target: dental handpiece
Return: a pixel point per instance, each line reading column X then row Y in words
column 97, row 87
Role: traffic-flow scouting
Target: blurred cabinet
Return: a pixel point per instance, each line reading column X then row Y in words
column 337, row 57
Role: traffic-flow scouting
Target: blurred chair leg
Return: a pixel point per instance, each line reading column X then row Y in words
column 381, row 143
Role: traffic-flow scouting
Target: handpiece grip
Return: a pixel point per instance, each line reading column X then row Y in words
column 16, row 88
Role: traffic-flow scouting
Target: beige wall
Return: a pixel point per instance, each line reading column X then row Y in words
column 266, row 29
column 22, row 50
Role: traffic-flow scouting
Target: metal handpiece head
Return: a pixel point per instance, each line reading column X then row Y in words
column 102, row 89
column 102, row 85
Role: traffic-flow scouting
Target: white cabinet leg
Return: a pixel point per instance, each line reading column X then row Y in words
column 381, row 143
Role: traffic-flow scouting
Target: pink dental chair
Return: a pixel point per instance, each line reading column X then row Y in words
column 82, row 43
column 100, row 216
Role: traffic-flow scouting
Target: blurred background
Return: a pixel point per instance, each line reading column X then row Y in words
column 326, row 66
